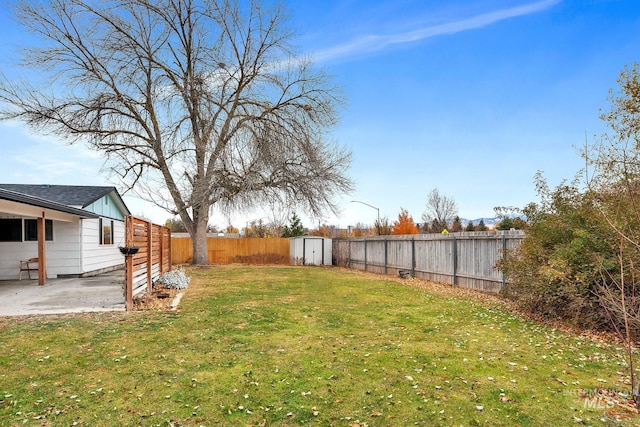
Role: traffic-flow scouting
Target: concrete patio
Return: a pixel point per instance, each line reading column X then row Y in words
column 59, row 296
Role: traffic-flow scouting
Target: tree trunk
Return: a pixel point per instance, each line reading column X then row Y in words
column 199, row 239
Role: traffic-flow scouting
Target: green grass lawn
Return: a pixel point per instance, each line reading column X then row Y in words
column 273, row 346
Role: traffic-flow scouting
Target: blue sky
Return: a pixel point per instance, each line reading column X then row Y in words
column 471, row 97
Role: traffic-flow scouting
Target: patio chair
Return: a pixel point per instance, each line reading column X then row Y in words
column 28, row 266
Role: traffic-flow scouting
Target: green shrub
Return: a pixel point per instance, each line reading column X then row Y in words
column 557, row 271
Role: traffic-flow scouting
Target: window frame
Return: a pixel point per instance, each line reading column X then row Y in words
column 27, row 229
column 103, row 224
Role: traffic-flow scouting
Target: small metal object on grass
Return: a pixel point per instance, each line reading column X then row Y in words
column 404, row 274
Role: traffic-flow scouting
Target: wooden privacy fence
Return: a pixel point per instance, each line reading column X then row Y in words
column 152, row 258
column 269, row 250
column 465, row 259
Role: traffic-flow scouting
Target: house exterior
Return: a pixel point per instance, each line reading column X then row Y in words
column 83, row 228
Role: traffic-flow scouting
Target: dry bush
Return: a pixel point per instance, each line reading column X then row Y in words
column 261, row 259
column 159, row 299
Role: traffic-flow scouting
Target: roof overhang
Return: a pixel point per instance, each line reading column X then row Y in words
column 20, row 204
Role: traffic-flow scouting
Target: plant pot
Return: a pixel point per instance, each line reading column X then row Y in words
column 128, row 250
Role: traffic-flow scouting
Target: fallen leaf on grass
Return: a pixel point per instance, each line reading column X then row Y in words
column 560, row 381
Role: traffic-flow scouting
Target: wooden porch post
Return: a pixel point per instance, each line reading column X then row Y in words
column 42, row 252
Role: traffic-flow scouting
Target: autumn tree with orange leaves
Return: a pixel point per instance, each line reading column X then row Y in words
column 404, row 224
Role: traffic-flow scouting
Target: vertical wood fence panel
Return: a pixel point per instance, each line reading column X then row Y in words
column 152, row 259
column 465, row 259
column 270, row 250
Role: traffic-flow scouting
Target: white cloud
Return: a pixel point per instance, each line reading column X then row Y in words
column 375, row 42
column 43, row 159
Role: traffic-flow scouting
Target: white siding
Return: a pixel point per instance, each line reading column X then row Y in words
column 63, row 253
column 96, row 256
column 10, row 255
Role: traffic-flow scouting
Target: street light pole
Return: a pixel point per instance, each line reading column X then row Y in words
column 371, row 206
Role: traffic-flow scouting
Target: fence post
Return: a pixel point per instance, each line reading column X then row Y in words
column 413, row 257
column 161, row 249
column 128, row 265
column 455, row 260
column 504, row 256
column 386, row 241
column 365, row 254
column 168, row 249
column 149, row 255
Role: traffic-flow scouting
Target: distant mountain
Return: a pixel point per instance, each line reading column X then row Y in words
column 487, row 221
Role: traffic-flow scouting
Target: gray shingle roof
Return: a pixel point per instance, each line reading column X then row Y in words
column 70, row 195
column 13, row 196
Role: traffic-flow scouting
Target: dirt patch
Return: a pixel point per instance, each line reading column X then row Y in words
column 160, row 299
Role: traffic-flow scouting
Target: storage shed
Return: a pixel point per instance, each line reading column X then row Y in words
column 310, row 250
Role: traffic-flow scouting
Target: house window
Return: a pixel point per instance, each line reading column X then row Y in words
column 31, row 230
column 106, row 232
column 10, row 230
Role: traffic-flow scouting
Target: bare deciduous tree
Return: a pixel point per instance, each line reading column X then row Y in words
column 614, row 182
column 618, row 295
column 196, row 103
column 439, row 208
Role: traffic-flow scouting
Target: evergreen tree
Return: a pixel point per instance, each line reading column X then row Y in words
column 470, row 227
column 481, row 226
column 295, row 228
column 505, row 224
